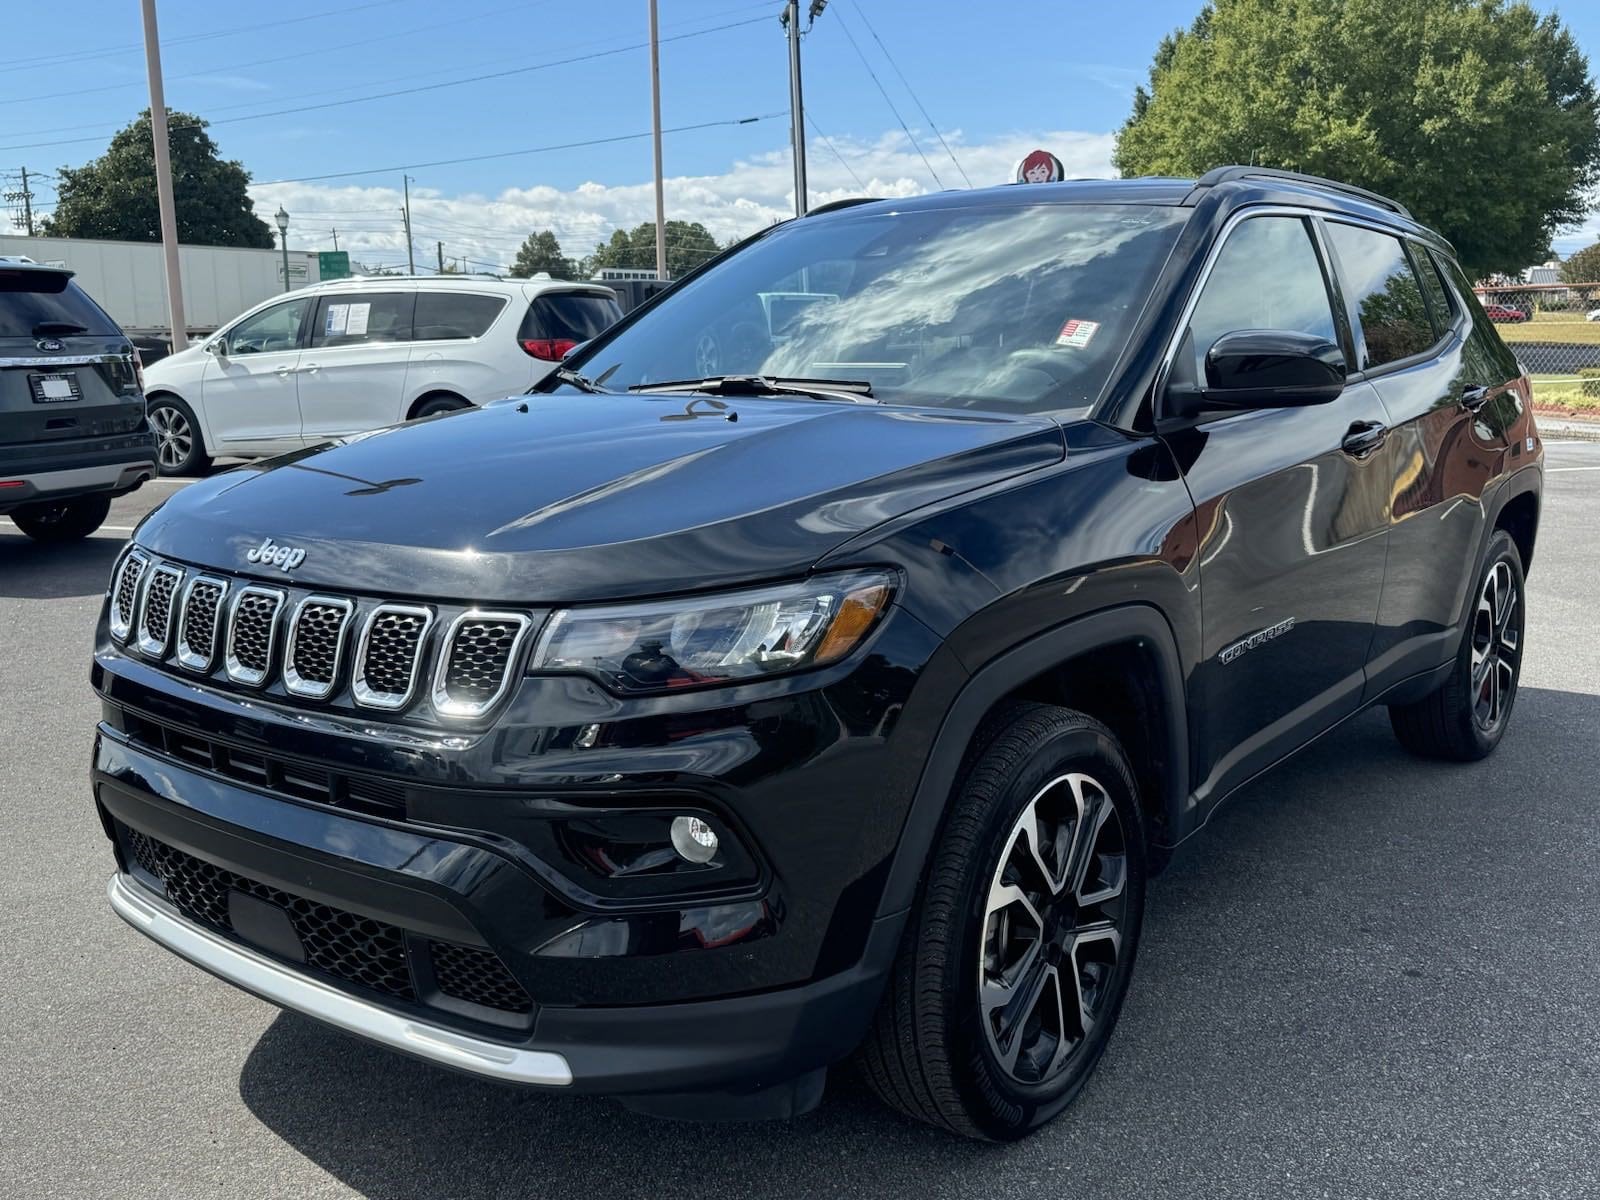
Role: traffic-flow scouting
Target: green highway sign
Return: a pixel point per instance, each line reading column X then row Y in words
column 334, row 264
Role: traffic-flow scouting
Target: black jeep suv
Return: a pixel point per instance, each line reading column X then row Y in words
column 824, row 661
column 72, row 424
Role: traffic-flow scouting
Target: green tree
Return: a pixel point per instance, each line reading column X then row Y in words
column 1582, row 267
column 542, row 252
column 1479, row 115
column 114, row 196
column 689, row 244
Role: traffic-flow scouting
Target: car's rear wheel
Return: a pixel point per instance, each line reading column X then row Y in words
column 1466, row 716
column 180, row 448
column 1013, row 971
column 56, row 521
column 434, row 405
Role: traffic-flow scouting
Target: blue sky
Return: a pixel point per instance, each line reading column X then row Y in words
column 995, row 78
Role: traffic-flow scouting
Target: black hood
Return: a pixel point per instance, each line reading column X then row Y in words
column 573, row 497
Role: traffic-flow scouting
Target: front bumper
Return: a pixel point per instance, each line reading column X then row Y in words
column 272, row 981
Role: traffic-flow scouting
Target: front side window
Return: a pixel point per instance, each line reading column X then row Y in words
column 1023, row 307
column 358, row 318
column 271, row 329
column 1379, row 280
column 1266, row 276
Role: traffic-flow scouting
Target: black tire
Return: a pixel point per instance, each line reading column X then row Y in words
column 55, row 521
column 1459, row 720
column 434, row 405
column 180, row 446
column 932, row 1052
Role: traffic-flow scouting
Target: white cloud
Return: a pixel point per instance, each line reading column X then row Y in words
column 752, row 193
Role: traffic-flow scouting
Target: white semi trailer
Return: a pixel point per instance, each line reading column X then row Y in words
column 126, row 279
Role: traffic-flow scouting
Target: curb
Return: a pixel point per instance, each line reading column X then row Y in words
column 1557, row 428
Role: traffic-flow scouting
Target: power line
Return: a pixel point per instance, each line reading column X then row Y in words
column 431, row 87
column 451, row 162
column 884, row 93
column 915, row 98
column 828, row 142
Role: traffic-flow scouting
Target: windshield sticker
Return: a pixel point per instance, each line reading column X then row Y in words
column 1077, row 333
column 338, row 317
column 356, row 326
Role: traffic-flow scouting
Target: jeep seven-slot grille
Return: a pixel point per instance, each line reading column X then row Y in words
column 359, row 950
column 374, row 654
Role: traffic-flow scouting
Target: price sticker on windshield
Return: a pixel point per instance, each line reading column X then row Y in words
column 1077, row 334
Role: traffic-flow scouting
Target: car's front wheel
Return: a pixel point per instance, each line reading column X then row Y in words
column 1013, row 970
column 180, row 448
column 1465, row 717
column 56, row 521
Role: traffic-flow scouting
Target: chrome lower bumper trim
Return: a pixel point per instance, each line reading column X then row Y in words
column 272, row 981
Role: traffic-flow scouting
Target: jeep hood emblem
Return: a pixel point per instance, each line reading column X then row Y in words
column 285, row 558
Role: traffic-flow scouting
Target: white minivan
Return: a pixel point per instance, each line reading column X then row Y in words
column 351, row 355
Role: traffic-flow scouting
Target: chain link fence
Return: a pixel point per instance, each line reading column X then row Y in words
column 1554, row 329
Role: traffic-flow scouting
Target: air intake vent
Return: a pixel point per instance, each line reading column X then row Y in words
column 389, row 653
column 125, row 595
column 252, row 634
column 316, row 644
column 476, row 662
column 155, row 617
column 198, row 622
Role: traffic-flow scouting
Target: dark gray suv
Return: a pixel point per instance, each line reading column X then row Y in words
column 73, row 434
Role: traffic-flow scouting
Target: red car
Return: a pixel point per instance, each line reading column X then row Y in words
column 1504, row 312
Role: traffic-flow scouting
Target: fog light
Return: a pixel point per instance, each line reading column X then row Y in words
column 693, row 839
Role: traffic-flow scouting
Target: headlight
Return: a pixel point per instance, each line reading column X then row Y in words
column 668, row 644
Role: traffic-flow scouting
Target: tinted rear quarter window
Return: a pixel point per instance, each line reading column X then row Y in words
column 443, row 316
column 30, row 300
column 1380, row 282
column 360, row 318
column 1439, row 303
column 570, row 316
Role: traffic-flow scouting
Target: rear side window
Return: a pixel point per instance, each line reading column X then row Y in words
column 48, row 304
column 360, row 318
column 443, row 316
column 1433, row 287
column 568, row 316
column 1389, row 306
column 1266, row 276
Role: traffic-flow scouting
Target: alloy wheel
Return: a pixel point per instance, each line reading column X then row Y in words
column 1052, row 928
column 1496, row 643
column 174, row 437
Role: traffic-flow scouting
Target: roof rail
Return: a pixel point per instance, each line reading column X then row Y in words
column 836, row 205
column 1227, row 174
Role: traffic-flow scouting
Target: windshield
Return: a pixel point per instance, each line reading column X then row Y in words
column 1021, row 308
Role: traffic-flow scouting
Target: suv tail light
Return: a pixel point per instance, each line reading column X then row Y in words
column 548, row 349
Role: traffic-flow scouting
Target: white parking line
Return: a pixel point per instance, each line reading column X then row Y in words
column 1557, row 470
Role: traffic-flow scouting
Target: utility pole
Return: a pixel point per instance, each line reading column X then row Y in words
column 411, row 258
column 440, row 247
column 655, row 113
column 797, row 110
column 335, row 239
column 26, row 197
column 169, row 216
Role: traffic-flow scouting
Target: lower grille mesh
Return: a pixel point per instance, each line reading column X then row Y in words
column 478, row 976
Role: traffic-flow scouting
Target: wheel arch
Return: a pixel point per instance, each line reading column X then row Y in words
column 436, row 393
column 1518, row 515
column 203, row 428
column 1145, row 706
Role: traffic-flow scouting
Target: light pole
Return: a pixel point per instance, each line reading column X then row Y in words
column 282, row 218
column 797, row 109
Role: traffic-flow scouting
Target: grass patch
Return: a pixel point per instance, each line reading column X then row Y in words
column 1570, row 328
column 1566, row 391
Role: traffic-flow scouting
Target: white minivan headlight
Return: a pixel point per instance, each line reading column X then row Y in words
column 696, row 641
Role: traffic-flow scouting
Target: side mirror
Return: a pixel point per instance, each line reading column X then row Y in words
column 1264, row 368
column 218, row 346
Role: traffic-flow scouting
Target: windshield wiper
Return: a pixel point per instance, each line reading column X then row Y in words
column 44, row 327
column 580, row 381
column 857, row 391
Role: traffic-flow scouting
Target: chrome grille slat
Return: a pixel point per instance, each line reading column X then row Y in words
column 199, row 620
column 390, row 654
column 476, row 661
column 125, row 594
column 252, row 634
column 316, row 645
column 154, row 628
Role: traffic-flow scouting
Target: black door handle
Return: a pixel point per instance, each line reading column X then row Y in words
column 1364, row 437
column 1474, row 398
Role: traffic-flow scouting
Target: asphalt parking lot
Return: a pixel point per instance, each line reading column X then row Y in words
column 1371, row 977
